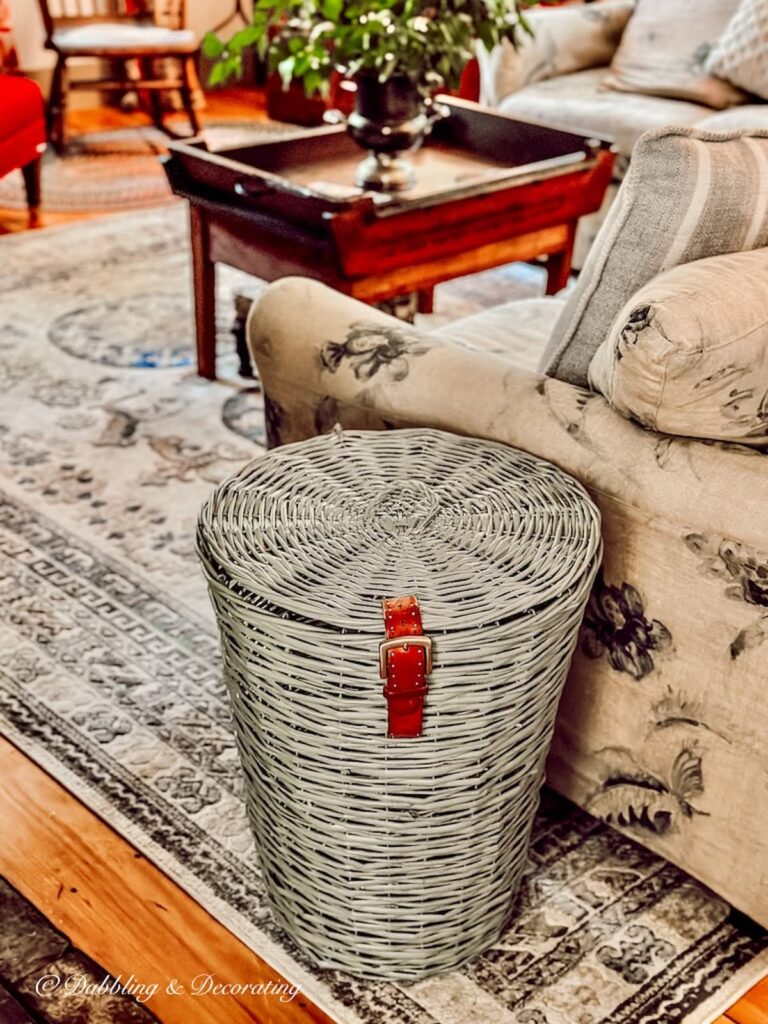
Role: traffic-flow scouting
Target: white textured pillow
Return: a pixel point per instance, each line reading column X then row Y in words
column 664, row 50
column 741, row 52
column 688, row 355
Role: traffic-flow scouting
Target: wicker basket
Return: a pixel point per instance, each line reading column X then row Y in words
column 388, row 857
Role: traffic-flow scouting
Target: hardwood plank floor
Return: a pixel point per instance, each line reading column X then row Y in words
column 121, row 910
column 753, row 1007
column 77, row 870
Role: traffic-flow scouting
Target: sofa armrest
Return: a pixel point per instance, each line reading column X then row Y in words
column 565, row 39
column 325, row 359
column 669, row 678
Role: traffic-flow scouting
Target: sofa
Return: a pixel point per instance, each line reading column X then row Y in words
column 556, row 77
column 662, row 727
column 22, row 134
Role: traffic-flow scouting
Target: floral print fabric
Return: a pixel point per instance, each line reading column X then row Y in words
column 615, row 625
column 688, row 355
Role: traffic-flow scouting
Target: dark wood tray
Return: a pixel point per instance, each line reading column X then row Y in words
column 309, row 175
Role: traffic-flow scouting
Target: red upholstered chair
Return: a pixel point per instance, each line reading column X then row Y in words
column 22, row 133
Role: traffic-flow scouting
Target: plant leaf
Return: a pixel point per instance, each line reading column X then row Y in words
column 213, row 47
column 331, row 9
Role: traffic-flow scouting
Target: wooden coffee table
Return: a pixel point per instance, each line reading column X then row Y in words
column 491, row 190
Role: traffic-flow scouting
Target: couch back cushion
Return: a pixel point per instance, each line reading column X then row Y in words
column 688, row 195
column 741, row 52
column 664, row 51
column 688, row 354
column 563, row 40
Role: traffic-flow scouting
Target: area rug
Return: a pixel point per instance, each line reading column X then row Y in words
column 110, row 673
column 120, row 169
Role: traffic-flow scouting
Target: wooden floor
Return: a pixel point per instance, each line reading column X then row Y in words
column 111, row 902
column 120, row 909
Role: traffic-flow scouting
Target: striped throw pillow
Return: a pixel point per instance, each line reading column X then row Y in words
column 689, row 194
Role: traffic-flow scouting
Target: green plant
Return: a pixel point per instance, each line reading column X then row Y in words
column 430, row 41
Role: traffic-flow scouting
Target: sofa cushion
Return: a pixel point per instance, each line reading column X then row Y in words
column 576, row 102
column 688, row 354
column 517, row 331
column 688, row 195
column 749, row 117
column 563, row 40
column 741, row 52
column 665, row 47
column 133, row 38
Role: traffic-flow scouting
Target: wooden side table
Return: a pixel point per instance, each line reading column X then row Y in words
column 474, row 209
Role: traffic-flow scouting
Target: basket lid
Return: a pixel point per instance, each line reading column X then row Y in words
column 326, row 529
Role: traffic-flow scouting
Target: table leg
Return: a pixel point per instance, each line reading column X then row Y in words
column 426, row 300
column 243, row 305
column 204, row 281
column 559, row 265
column 402, row 307
column 31, row 173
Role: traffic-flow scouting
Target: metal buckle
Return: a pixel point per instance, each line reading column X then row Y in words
column 425, row 642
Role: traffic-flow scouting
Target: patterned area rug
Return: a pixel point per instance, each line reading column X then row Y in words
column 109, row 671
column 119, row 169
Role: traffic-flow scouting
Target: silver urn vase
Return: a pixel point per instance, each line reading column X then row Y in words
column 390, row 119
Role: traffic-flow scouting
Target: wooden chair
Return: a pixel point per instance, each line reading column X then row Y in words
column 125, row 33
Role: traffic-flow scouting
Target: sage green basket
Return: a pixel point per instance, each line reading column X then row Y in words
column 395, row 858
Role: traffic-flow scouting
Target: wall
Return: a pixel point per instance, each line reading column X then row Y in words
column 28, row 27
column 28, row 33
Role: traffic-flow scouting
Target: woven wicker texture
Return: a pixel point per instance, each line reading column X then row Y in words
column 395, row 858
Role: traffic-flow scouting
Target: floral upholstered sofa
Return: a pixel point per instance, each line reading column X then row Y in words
column 662, row 729
column 559, row 74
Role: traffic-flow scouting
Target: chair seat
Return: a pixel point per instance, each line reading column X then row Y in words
column 516, row 331
column 747, row 117
column 108, row 37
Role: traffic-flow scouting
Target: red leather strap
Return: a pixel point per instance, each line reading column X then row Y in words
column 405, row 667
